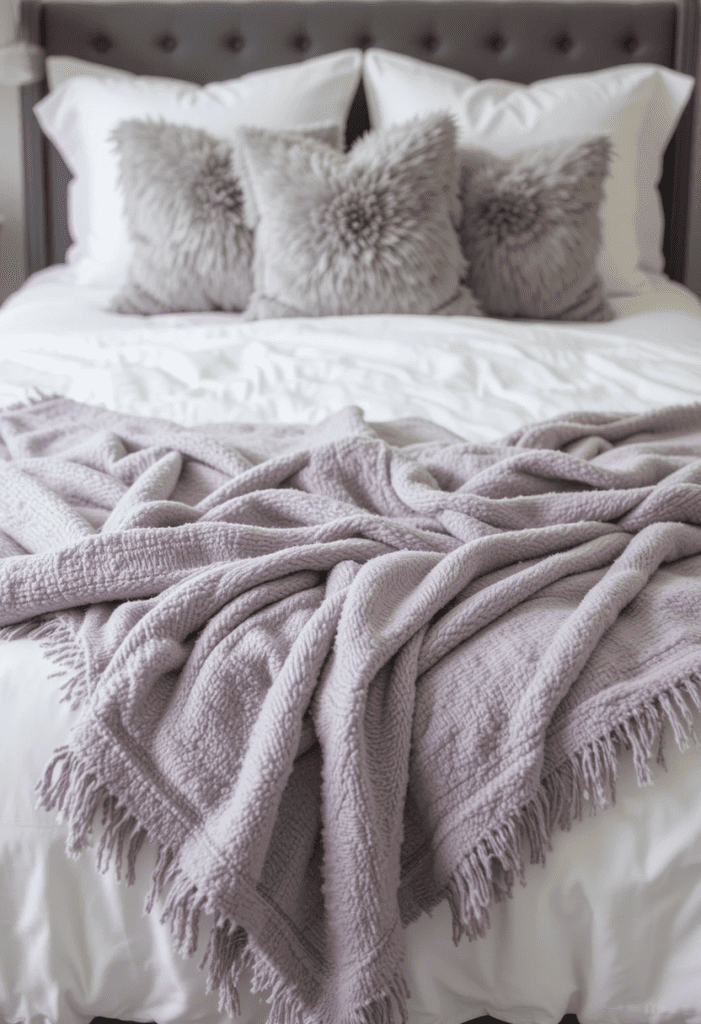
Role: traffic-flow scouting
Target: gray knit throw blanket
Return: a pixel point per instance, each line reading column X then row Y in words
column 338, row 674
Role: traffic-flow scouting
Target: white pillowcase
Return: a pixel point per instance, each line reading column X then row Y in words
column 80, row 114
column 60, row 69
column 637, row 105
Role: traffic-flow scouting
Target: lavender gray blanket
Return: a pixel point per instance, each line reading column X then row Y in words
column 341, row 673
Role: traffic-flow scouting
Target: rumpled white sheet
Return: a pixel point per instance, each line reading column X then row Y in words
column 611, row 928
column 477, row 376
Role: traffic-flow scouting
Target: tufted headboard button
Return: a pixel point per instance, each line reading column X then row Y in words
column 630, row 42
column 301, row 42
column 564, row 42
column 496, row 42
column 236, row 43
column 167, row 43
column 364, row 41
column 102, row 43
column 429, row 42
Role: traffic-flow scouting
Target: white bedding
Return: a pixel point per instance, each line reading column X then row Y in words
column 480, row 377
column 611, row 928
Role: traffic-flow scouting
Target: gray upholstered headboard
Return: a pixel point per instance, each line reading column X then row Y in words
column 521, row 41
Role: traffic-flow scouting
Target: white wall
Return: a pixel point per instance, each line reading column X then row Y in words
column 11, row 193
column 12, row 209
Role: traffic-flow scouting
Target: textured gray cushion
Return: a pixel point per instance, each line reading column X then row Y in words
column 530, row 229
column 191, row 248
column 365, row 232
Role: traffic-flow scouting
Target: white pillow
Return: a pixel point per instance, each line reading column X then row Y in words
column 637, row 105
column 60, row 69
column 80, row 114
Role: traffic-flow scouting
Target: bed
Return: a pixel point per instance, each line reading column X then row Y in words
column 609, row 928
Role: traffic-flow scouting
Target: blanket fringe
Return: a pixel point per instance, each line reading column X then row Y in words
column 75, row 793
column 381, row 1011
column 33, row 396
column 57, row 637
column 486, row 874
column 78, row 797
column 68, row 787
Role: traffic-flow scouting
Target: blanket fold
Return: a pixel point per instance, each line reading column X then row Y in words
column 340, row 673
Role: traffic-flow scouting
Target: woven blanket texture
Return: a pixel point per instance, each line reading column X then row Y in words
column 340, row 673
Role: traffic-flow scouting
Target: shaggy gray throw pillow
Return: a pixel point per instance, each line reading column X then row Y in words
column 364, row 232
column 184, row 208
column 531, row 231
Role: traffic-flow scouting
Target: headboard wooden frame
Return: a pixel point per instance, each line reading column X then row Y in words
column 201, row 41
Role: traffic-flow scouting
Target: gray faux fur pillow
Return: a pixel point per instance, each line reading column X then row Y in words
column 365, row 232
column 531, row 231
column 184, row 208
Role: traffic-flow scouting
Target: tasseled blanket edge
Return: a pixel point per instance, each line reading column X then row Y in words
column 486, row 874
column 75, row 792
column 33, row 396
column 57, row 636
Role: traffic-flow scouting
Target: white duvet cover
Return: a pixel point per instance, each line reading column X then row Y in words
column 610, row 929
